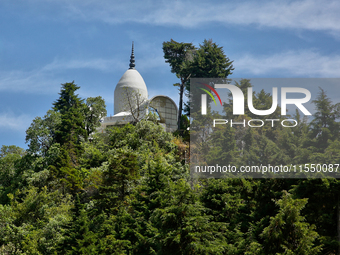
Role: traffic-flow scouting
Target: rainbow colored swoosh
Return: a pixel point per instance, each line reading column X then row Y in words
column 213, row 90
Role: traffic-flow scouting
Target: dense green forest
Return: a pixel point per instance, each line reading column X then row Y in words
column 129, row 191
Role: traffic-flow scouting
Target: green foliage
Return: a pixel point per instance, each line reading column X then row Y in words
column 71, row 130
column 95, row 110
column 210, row 62
column 41, row 135
column 78, row 238
column 179, row 56
column 288, row 233
column 10, row 157
column 121, row 174
column 322, row 208
column 94, row 151
column 128, row 190
column 225, row 147
column 33, row 222
column 184, row 227
column 324, row 126
column 187, row 61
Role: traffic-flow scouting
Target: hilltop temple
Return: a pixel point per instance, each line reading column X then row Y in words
column 131, row 102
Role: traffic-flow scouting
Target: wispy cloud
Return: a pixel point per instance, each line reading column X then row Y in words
column 95, row 64
column 47, row 79
column 303, row 14
column 12, row 122
column 34, row 81
column 304, row 63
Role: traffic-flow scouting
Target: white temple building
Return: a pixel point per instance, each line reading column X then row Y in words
column 132, row 103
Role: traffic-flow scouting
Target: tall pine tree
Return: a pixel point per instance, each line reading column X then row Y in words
column 71, row 131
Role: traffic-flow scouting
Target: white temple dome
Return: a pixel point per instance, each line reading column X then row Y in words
column 131, row 103
column 131, row 85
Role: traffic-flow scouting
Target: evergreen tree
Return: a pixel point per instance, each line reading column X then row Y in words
column 228, row 201
column 324, row 126
column 187, row 61
column 148, row 196
column 71, row 130
column 223, row 147
column 210, row 62
column 78, row 238
column 288, row 233
column 322, row 209
column 179, row 56
column 120, row 176
column 184, row 226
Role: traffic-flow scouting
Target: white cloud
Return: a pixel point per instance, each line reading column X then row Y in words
column 303, row 14
column 35, row 81
column 12, row 122
column 304, row 63
column 47, row 79
column 96, row 64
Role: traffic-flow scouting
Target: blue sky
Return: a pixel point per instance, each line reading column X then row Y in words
column 44, row 43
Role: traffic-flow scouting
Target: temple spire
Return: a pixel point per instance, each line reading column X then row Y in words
column 132, row 59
